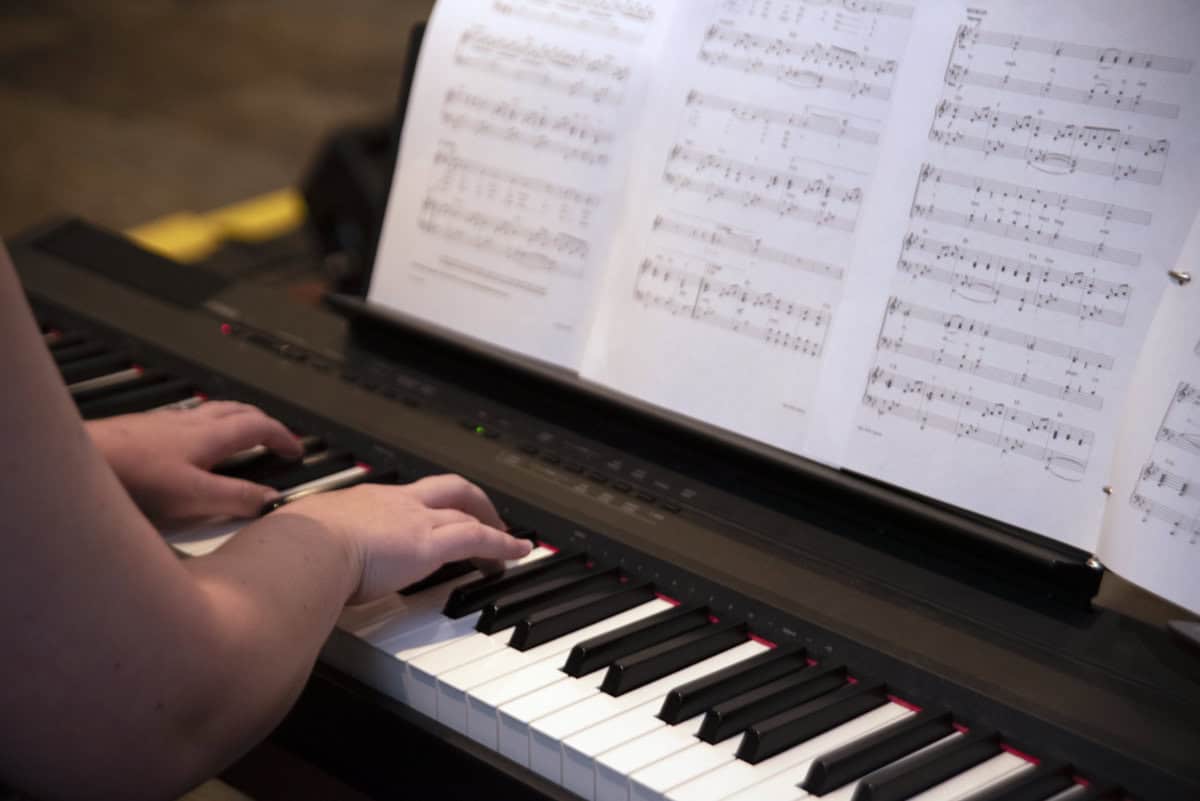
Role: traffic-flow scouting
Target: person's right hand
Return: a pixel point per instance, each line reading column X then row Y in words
column 400, row 534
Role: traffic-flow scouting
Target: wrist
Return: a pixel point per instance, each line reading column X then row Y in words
column 313, row 514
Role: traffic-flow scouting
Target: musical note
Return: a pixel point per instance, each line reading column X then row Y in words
column 982, row 277
column 1051, row 146
column 459, row 172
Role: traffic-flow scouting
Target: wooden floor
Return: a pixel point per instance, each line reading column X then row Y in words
column 122, row 112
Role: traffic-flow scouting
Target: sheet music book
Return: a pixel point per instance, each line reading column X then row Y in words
column 921, row 240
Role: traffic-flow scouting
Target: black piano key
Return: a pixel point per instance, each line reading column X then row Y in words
column 780, row 732
column 639, row 669
column 139, row 399
column 878, row 749
column 933, row 766
column 308, row 469
column 447, row 572
column 1044, row 781
column 95, row 367
column 509, row 609
column 605, row 649
column 555, row 621
column 146, row 379
column 76, row 352
column 475, row 595
column 697, row 696
column 742, row 711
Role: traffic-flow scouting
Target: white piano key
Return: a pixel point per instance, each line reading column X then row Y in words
column 423, row 671
column 104, row 381
column 453, row 687
column 652, row 782
column 484, row 702
column 1069, row 794
column 784, row 786
column 204, row 538
column 181, row 405
column 614, row 767
column 738, row 775
column 636, row 716
column 327, row 483
column 515, row 716
column 974, row 779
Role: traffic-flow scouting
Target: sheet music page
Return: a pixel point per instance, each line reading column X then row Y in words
column 1152, row 524
column 512, row 166
column 748, row 197
column 1054, row 188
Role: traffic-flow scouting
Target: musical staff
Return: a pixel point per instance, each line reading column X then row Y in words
column 1103, row 93
column 735, row 306
column 794, row 9
column 603, row 18
column 547, row 66
column 478, row 278
column 1170, row 479
column 1051, row 146
column 724, row 237
column 993, row 223
column 569, row 135
column 982, row 277
column 1101, row 56
column 464, row 176
column 805, row 65
column 1036, row 198
column 947, row 353
column 1161, row 477
column 955, row 324
column 1061, row 446
column 536, row 248
column 814, row 119
column 1177, row 521
column 831, row 204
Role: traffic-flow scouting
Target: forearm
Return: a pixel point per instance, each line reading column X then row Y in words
column 273, row 593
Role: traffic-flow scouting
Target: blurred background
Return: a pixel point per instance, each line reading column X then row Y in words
column 123, row 112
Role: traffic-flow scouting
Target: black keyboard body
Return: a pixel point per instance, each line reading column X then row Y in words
column 1001, row 636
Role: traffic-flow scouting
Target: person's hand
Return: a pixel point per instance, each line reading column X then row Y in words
column 400, row 534
column 163, row 458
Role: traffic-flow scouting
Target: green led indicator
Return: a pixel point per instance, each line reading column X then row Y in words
column 479, row 429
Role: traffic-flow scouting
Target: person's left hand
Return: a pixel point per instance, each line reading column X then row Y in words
column 163, row 458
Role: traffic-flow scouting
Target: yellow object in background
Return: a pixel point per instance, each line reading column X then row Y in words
column 189, row 237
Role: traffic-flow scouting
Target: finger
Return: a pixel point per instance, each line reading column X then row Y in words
column 474, row 540
column 212, row 495
column 238, row 432
column 450, row 491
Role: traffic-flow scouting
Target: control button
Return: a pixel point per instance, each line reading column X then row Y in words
column 491, row 434
column 645, row 496
column 469, row 425
column 621, row 486
column 671, row 507
column 599, row 478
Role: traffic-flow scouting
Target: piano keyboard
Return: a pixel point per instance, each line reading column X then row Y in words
column 672, row 636
column 598, row 681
